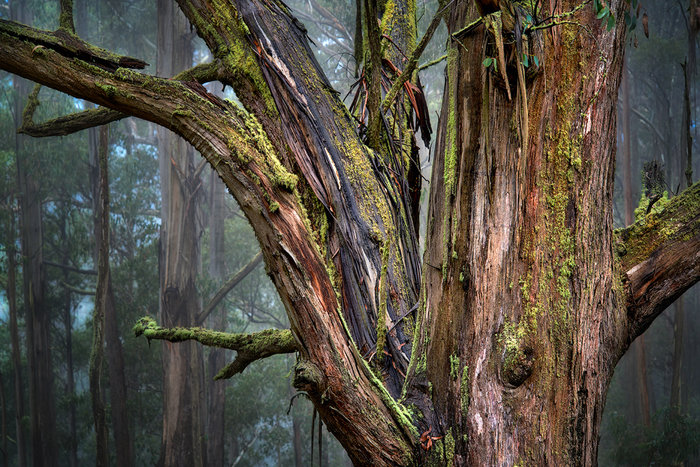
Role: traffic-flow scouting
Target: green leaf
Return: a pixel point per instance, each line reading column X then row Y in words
column 602, row 13
column 488, row 61
column 526, row 61
column 611, row 22
column 536, row 60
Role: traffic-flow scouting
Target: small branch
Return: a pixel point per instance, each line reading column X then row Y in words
column 660, row 257
column 66, row 267
column 230, row 284
column 69, row 124
column 250, row 347
column 77, row 290
column 432, row 62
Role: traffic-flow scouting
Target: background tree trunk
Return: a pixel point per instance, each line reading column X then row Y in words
column 15, row 346
column 179, row 261
column 100, row 184
column 216, row 390
column 37, row 317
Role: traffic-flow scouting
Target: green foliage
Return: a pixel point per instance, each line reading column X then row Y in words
column 671, row 439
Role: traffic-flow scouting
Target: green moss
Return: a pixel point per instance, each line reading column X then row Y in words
column 454, row 366
column 464, row 390
column 109, row 90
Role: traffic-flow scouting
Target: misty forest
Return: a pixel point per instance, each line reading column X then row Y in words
column 334, row 232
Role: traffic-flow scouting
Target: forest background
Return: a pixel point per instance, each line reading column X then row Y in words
column 257, row 418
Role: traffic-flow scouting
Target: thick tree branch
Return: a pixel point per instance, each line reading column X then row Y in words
column 70, row 46
column 230, row 284
column 250, row 347
column 660, row 257
column 69, row 124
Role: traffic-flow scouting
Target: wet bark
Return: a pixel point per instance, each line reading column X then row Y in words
column 529, row 297
column 520, row 335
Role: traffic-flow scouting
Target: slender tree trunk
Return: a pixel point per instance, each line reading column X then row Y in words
column 3, row 421
column 68, row 327
column 296, row 434
column 115, row 366
column 637, row 349
column 101, row 230
column 15, row 346
column 37, row 316
column 179, row 262
column 216, row 390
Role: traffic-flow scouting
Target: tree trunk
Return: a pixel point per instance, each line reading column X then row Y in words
column 522, row 320
column 100, row 184
column 15, row 346
column 115, row 358
column 216, row 390
column 37, row 317
column 179, row 262
column 528, row 297
column 68, row 329
column 638, row 348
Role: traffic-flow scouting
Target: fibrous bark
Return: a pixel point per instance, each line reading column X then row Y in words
column 528, row 299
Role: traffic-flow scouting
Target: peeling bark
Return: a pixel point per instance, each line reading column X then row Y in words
column 528, row 296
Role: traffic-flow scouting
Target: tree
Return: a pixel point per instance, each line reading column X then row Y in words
column 500, row 348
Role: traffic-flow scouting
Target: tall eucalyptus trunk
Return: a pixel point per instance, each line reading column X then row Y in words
column 179, row 261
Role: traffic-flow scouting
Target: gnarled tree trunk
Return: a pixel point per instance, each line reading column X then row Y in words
column 528, row 296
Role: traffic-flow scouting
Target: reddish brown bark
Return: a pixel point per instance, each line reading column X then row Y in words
column 529, row 297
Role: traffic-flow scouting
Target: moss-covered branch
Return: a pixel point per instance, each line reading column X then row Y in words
column 250, row 347
column 69, row 124
column 660, row 256
column 70, row 46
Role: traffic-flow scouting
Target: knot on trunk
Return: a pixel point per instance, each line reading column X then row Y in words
column 516, row 367
column 309, row 378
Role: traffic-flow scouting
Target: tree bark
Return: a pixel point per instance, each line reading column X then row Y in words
column 101, row 232
column 37, row 318
column 528, row 296
column 216, row 390
column 182, row 441
column 15, row 346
